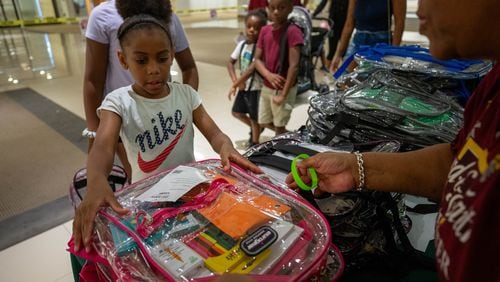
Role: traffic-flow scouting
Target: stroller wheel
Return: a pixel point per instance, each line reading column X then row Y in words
column 323, row 89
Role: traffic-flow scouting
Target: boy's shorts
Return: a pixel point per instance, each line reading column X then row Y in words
column 269, row 112
column 247, row 102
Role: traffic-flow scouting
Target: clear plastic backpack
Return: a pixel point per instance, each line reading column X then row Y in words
column 197, row 223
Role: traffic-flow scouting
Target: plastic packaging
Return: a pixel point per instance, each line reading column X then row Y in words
column 386, row 105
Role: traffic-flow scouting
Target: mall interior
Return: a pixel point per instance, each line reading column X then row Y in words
column 42, row 61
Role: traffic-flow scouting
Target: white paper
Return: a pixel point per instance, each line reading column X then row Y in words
column 174, row 185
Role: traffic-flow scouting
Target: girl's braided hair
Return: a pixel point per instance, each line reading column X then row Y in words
column 141, row 21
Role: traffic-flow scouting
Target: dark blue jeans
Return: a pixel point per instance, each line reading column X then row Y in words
column 368, row 38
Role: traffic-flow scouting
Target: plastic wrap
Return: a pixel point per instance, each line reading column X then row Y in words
column 413, row 58
column 226, row 223
column 386, row 105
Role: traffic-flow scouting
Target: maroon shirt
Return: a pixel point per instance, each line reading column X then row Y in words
column 262, row 4
column 257, row 4
column 269, row 42
column 468, row 224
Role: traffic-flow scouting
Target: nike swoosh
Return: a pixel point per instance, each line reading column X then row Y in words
column 149, row 166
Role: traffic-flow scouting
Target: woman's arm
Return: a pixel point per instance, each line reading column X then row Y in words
column 399, row 12
column 345, row 37
column 188, row 67
column 96, row 64
column 422, row 172
column 220, row 142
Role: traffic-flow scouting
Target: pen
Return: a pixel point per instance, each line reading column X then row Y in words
column 172, row 253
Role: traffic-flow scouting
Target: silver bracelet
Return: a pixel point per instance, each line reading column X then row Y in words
column 361, row 171
column 88, row 134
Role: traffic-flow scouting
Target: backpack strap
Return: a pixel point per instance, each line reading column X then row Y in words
column 113, row 180
column 283, row 47
column 251, row 59
column 409, row 257
column 241, row 53
column 253, row 74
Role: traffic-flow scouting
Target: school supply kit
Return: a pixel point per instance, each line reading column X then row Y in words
column 196, row 222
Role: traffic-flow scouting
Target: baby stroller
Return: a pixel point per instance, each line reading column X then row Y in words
column 319, row 35
column 306, row 78
column 117, row 179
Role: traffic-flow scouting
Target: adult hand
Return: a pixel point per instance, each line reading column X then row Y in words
column 83, row 223
column 335, row 64
column 229, row 154
column 276, row 80
column 336, row 172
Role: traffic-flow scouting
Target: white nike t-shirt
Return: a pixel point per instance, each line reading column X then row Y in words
column 156, row 133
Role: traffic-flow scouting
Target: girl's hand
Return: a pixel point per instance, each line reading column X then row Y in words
column 83, row 223
column 229, row 154
column 336, row 172
column 276, row 80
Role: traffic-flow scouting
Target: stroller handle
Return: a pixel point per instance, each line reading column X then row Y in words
column 330, row 21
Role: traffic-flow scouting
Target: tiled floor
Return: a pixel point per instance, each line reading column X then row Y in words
column 43, row 257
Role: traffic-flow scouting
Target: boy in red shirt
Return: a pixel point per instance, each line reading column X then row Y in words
column 262, row 4
column 279, row 91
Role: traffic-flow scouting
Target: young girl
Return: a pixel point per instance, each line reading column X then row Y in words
column 246, row 104
column 152, row 117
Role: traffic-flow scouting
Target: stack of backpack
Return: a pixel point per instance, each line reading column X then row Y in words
column 395, row 93
column 385, row 106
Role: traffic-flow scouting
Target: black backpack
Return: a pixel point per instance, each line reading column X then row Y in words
column 368, row 226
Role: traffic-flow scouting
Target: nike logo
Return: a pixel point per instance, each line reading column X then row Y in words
column 149, row 166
